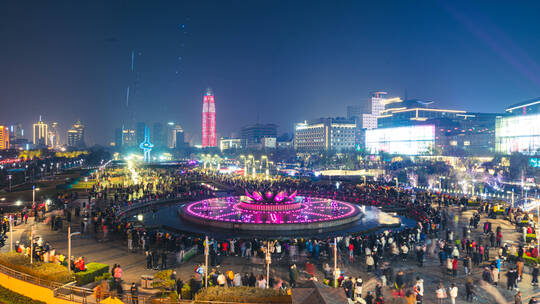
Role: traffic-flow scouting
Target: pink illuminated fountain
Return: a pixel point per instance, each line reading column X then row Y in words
column 270, row 210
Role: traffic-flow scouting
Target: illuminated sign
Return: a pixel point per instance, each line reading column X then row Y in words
column 534, row 162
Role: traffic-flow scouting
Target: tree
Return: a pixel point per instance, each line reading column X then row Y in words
column 162, row 281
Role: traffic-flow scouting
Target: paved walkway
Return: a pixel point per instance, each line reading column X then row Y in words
column 134, row 264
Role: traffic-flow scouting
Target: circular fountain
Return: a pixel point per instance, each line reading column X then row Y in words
column 271, row 211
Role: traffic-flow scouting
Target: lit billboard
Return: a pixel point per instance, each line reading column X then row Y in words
column 410, row 140
column 518, row 134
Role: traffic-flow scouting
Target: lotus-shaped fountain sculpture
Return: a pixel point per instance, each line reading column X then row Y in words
column 271, row 197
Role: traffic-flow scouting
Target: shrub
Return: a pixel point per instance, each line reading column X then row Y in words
column 92, row 271
column 186, row 292
column 46, row 271
column 10, row 297
column 243, row 294
column 162, row 280
column 106, row 276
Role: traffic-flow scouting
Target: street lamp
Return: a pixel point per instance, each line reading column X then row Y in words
column 86, row 183
column 34, row 189
column 69, row 247
column 9, row 177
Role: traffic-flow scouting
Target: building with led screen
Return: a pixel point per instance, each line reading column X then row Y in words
column 209, row 120
column 519, row 131
column 408, row 140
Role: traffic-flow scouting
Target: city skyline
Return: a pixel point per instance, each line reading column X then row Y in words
column 275, row 68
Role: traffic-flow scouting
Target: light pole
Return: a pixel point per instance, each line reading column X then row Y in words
column 34, row 189
column 32, row 245
column 10, row 233
column 245, row 164
column 9, row 177
column 335, row 263
column 206, row 262
column 268, row 261
column 86, row 183
column 69, row 247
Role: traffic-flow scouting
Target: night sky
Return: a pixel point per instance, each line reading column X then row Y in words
column 267, row 61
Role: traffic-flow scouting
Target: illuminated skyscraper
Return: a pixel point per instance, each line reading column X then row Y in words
column 54, row 135
column 209, row 120
column 41, row 131
column 4, row 137
column 75, row 135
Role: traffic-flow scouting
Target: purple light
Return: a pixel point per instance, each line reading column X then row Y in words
column 233, row 209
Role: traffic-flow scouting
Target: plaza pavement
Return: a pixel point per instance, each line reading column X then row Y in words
column 134, row 264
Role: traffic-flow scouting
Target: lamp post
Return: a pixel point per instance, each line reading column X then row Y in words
column 268, row 261
column 10, row 233
column 335, row 263
column 206, row 262
column 86, row 183
column 69, row 247
column 9, row 177
column 245, row 164
column 34, row 189
column 32, row 245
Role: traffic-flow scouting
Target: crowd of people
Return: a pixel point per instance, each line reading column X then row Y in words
column 462, row 245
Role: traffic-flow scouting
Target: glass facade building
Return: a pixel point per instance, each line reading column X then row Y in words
column 520, row 133
column 408, row 140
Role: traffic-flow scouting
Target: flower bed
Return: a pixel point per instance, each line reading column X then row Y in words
column 92, row 271
column 9, row 297
column 46, row 271
column 243, row 294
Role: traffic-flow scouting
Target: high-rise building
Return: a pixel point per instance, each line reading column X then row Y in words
column 140, row 128
column 325, row 134
column 129, row 138
column 41, row 132
column 209, row 120
column 16, row 131
column 75, row 135
column 54, row 135
column 118, row 138
column 175, row 136
column 253, row 134
column 4, row 137
column 158, row 135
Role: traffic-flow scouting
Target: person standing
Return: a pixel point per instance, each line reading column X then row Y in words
column 517, row 298
column 453, row 293
column 419, row 290
column 441, row 294
column 534, row 274
column 134, row 294
column 358, row 289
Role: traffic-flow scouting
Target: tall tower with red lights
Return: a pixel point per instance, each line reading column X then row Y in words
column 209, row 120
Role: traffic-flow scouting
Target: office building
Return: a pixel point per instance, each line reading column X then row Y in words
column 253, row 134
column 41, row 132
column 158, row 135
column 322, row 134
column 75, row 135
column 118, row 138
column 175, row 137
column 4, row 137
column 140, row 128
column 54, row 135
column 519, row 130
column 129, row 138
column 230, row 143
column 16, row 131
column 209, row 120
column 414, row 127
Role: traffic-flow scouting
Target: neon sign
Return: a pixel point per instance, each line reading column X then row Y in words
column 534, row 162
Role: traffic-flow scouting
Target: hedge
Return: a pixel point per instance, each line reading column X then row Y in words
column 243, row 294
column 92, row 271
column 46, row 271
column 10, row 297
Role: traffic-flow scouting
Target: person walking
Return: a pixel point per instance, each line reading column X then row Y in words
column 419, row 290
column 534, row 275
